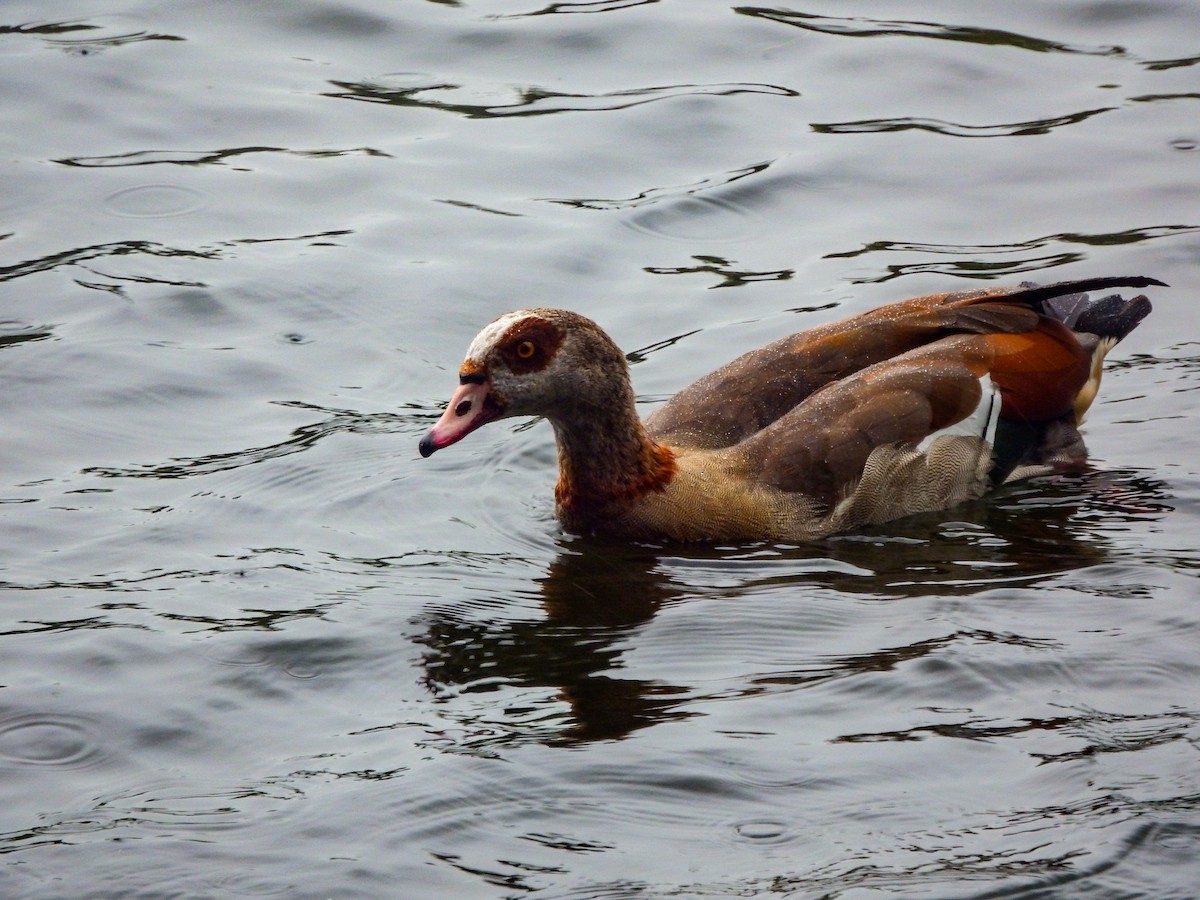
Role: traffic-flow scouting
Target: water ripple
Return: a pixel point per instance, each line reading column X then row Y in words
column 1159, row 65
column 862, row 27
column 48, row 740
column 191, row 806
column 202, row 157
column 587, row 6
column 337, row 421
column 1026, row 258
column 252, row 884
column 556, row 841
column 478, row 207
column 700, row 219
column 1101, row 732
column 725, row 270
column 1166, row 849
column 883, row 659
column 93, row 33
column 704, row 210
column 1098, row 732
column 152, row 201
column 1157, row 98
column 13, row 333
column 98, row 251
column 217, row 250
column 640, row 354
column 517, row 100
column 659, row 194
column 953, row 129
column 1101, row 239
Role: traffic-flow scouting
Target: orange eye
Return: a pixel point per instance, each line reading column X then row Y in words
column 526, row 349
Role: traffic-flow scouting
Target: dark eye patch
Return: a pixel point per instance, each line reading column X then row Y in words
column 545, row 338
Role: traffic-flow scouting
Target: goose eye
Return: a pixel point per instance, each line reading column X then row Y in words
column 526, row 349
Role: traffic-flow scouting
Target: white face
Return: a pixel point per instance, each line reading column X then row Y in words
column 486, row 340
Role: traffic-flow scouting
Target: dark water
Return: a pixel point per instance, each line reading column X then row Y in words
column 252, row 645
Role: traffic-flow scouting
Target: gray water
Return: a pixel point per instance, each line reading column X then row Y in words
column 252, row 645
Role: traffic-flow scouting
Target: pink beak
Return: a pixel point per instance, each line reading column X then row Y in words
column 471, row 407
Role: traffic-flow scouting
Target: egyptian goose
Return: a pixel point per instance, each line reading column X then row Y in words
column 912, row 407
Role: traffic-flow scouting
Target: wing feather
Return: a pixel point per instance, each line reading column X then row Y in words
column 760, row 387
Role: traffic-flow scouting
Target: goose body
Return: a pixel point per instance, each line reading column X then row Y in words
column 911, row 407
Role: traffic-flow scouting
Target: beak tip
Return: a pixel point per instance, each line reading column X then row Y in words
column 427, row 446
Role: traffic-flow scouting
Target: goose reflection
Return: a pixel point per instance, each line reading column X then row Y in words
column 597, row 596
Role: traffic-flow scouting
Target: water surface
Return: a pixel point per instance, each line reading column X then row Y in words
column 252, row 645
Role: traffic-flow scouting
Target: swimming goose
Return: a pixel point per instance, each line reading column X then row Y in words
column 912, row 407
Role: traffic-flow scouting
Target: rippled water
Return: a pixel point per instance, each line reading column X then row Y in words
column 252, row 645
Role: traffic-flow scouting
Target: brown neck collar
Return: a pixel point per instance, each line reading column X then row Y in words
column 602, row 470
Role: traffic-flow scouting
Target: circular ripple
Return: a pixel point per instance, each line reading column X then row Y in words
column 151, row 201
column 43, row 739
column 699, row 219
column 761, row 830
column 113, row 28
column 403, row 81
column 244, row 884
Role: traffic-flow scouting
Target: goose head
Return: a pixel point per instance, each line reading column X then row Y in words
column 535, row 362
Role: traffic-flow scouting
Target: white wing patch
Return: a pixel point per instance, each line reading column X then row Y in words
column 981, row 423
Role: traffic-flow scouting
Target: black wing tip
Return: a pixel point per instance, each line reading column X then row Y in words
column 1147, row 281
column 1039, row 296
column 1082, row 285
column 1112, row 316
column 1133, row 281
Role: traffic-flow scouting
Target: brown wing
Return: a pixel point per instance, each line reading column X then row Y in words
column 820, row 447
column 745, row 396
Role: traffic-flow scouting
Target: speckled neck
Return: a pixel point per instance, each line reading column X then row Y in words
column 606, row 461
